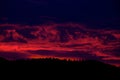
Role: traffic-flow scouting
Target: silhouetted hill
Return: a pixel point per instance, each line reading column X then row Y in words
column 57, row 62
column 55, row 68
column 65, row 68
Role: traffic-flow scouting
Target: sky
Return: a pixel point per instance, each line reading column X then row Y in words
column 96, row 14
column 64, row 29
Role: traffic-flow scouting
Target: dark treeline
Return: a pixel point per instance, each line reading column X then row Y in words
column 61, row 68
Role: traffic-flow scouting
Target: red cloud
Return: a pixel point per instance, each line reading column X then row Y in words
column 68, row 40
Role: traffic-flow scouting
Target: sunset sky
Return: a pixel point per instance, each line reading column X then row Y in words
column 64, row 29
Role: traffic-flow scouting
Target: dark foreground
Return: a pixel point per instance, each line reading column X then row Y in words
column 54, row 68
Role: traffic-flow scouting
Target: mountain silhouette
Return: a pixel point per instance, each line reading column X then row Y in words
column 52, row 66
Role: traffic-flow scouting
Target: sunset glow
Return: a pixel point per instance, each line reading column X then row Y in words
column 56, row 40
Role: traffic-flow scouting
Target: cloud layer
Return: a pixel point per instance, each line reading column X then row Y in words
column 61, row 40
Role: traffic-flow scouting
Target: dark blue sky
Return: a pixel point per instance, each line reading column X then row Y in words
column 95, row 13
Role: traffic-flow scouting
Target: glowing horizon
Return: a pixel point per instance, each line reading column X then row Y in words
column 59, row 40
